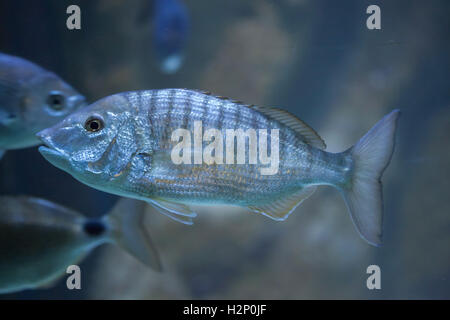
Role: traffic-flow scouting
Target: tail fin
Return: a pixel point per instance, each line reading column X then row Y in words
column 371, row 155
column 130, row 232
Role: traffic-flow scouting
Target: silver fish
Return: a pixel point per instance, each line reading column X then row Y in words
column 31, row 99
column 123, row 144
column 40, row 239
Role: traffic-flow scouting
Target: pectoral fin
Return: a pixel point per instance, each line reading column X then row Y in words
column 176, row 211
column 279, row 210
column 2, row 153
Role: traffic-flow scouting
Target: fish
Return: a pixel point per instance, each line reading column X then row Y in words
column 39, row 239
column 123, row 144
column 170, row 33
column 31, row 99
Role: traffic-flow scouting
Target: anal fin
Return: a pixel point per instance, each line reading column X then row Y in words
column 280, row 209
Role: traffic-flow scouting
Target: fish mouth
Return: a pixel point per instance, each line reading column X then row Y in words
column 48, row 148
column 55, row 157
column 46, row 151
column 45, row 138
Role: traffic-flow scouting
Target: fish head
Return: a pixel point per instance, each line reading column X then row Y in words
column 43, row 100
column 94, row 144
column 47, row 100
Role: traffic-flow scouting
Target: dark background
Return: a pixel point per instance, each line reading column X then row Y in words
column 316, row 59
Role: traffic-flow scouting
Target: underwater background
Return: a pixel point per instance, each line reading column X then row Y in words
column 316, row 59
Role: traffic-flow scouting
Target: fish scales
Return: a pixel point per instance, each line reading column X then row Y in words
column 209, row 110
column 244, row 177
column 200, row 106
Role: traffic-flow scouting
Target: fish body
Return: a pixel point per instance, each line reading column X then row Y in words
column 31, row 99
column 131, row 154
column 40, row 239
column 170, row 33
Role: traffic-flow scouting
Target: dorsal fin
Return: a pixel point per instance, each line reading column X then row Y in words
column 306, row 132
column 208, row 93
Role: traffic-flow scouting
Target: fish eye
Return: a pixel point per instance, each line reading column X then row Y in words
column 94, row 124
column 94, row 228
column 56, row 100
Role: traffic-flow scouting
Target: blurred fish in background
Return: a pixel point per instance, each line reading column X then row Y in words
column 31, row 99
column 40, row 239
column 170, row 33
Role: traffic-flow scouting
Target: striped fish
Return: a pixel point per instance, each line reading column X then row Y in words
column 124, row 144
